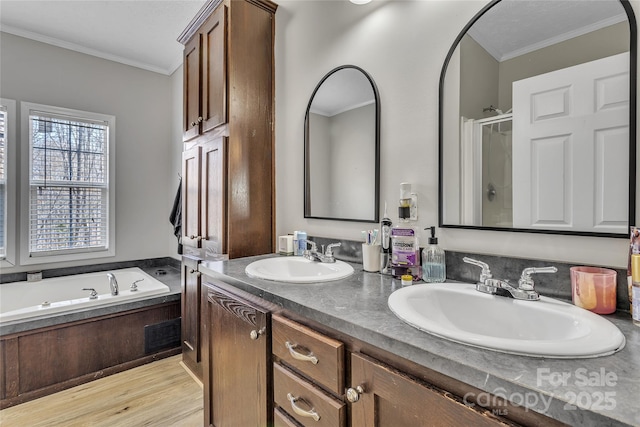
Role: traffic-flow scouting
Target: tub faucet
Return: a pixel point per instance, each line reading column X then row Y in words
column 525, row 289
column 113, row 284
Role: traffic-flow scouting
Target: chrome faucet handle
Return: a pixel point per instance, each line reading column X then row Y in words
column 526, row 282
column 134, row 285
column 314, row 247
column 329, row 250
column 486, row 272
column 94, row 293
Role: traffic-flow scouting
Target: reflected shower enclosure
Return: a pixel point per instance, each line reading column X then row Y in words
column 487, row 151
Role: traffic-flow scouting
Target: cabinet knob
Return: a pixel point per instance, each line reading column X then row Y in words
column 200, row 119
column 192, row 237
column 298, row 410
column 255, row 334
column 353, row 394
column 192, row 271
column 193, row 124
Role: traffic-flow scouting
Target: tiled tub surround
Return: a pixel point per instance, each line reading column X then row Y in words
column 165, row 270
column 357, row 306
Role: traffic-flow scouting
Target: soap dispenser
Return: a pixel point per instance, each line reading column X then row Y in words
column 433, row 262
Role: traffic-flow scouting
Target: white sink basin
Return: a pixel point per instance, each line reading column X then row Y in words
column 298, row 270
column 544, row 328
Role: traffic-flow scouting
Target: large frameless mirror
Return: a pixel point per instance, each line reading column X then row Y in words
column 342, row 148
column 537, row 119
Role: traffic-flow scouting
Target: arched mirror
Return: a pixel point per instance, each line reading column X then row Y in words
column 342, row 148
column 538, row 119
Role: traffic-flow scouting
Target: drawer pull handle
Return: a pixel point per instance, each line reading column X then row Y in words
column 189, row 346
column 299, row 356
column 298, row 410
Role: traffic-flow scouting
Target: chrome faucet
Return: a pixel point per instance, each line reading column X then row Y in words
column 524, row 291
column 325, row 255
column 113, row 284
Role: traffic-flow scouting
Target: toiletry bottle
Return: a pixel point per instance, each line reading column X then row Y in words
column 385, row 232
column 433, row 262
column 635, row 289
column 299, row 242
column 404, row 240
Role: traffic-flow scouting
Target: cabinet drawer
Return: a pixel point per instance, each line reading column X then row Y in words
column 313, row 354
column 281, row 419
column 295, row 395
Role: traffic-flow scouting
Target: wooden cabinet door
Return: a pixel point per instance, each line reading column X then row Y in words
column 236, row 374
column 192, row 64
column 191, row 315
column 213, row 216
column 214, row 70
column 191, row 234
column 391, row 398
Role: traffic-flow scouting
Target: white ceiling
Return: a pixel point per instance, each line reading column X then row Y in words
column 140, row 33
column 505, row 35
column 143, row 33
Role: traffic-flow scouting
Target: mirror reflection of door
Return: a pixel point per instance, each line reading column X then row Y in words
column 341, row 148
column 571, row 143
column 489, row 179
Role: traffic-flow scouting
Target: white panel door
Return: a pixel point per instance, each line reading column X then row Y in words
column 571, row 147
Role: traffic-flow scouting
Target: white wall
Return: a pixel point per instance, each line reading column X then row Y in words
column 175, row 150
column 402, row 45
column 145, row 179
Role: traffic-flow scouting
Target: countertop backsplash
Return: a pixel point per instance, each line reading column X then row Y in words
column 556, row 285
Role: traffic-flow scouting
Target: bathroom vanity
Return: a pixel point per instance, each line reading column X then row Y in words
column 334, row 352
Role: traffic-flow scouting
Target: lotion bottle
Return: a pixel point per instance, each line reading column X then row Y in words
column 433, row 261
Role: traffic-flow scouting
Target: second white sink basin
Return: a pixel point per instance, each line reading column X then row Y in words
column 298, row 270
column 544, row 328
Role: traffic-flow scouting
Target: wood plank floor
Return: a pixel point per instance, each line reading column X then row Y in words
column 158, row 394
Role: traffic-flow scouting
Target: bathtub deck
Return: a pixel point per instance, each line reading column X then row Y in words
column 161, row 393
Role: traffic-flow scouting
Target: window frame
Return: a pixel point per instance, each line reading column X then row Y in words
column 9, row 260
column 26, row 258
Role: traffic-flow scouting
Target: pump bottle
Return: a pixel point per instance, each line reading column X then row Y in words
column 433, row 261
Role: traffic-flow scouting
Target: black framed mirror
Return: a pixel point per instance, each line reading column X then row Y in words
column 342, row 148
column 537, row 125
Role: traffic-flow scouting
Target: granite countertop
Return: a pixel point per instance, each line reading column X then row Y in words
column 171, row 278
column 587, row 392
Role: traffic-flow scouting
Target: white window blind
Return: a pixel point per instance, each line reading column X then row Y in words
column 68, row 185
column 3, row 182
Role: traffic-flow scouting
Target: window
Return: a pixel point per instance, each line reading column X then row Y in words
column 7, row 182
column 69, row 191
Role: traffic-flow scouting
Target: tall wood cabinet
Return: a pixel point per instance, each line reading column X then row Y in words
column 228, row 205
column 229, row 98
